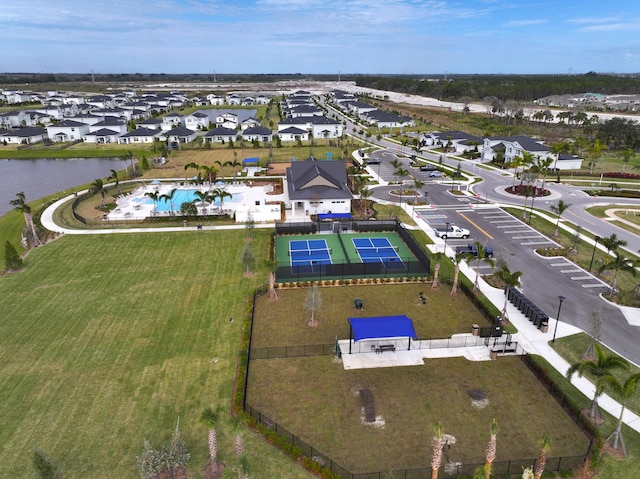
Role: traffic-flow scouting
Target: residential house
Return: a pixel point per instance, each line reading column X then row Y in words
column 26, row 136
column 323, row 127
column 180, row 134
column 257, row 133
column 86, row 118
column 514, row 146
column 215, row 99
column 140, row 135
column 566, row 161
column 220, row 135
column 150, row 123
column 67, row 130
column 318, row 187
column 102, row 136
column 385, row 119
column 197, row 121
column 171, row 121
column 305, row 111
column 454, row 140
column 14, row 119
column 292, row 133
column 249, row 123
column 112, row 123
column 116, row 112
column 227, row 120
column 233, row 99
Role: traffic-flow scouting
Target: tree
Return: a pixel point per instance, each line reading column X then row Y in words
column 193, row 165
column 365, row 194
column 612, row 243
column 44, row 467
column 21, row 205
column 155, row 197
column 625, row 391
column 248, row 260
column 150, row 462
column 114, row 175
column 169, row 197
column 98, row 187
column 211, row 173
column 221, row 195
column 189, row 208
column 510, row 280
column 619, row 262
column 204, row 197
column 437, row 446
column 558, row 209
column 174, row 453
column 596, row 332
column 456, row 274
column 481, row 256
column 436, row 258
column 626, row 155
column 312, row 303
column 595, row 152
column 12, row 260
column 598, row 368
column 541, row 461
column 490, row 451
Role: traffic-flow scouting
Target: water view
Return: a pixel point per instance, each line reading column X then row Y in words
column 42, row 177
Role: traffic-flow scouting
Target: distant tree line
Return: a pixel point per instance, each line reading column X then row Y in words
column 505, row 87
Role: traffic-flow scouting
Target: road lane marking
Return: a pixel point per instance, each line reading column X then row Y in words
column 474, row 224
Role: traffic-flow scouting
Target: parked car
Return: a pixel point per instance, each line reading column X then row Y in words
column 428, row 168
column 452, row 231
column 436, row 174
column 471, row 248
column 373, row 161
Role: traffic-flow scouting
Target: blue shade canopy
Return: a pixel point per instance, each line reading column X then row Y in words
column 331, row 216
column 382, row 327
column 251, row 161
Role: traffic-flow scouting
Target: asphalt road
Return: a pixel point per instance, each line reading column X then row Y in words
column 543, row 279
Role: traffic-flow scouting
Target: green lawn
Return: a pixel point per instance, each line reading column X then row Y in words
column 106, row 340
column 316, row 399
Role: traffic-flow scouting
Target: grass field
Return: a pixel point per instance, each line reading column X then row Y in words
column 325, row 410
column 106, row 340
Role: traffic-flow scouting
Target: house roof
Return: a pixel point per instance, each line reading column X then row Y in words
column 257, row 130
column 110, row 121
column 323, row 120
column 68, row 124
column 312, row 179
column 529, row 144
column 292, row 130
column 180, row 131
column 103, row 132
column 221, row 131
column 140, row 131
column 28, row 131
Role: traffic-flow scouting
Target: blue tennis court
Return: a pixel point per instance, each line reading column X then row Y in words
column 309, row 256
column 374, row 250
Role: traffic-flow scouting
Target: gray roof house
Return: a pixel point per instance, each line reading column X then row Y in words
column 220, row 135
column 139, row 135
column 259, row 133
column 318, row 187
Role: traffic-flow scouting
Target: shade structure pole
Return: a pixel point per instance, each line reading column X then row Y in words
column 350, row 337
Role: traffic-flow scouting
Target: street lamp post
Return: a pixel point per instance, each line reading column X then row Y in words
column 446, row 236
column 561, row 298
column 593, row 253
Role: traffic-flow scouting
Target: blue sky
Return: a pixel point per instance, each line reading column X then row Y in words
column 320, row 36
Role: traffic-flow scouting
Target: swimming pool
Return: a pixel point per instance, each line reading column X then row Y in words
column 186, row 196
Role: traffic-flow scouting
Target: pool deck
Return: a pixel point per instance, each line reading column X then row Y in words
column 136, row 206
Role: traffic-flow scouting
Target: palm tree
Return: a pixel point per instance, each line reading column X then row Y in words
column 543, row 167
column 510, row 280
column 233, row 164
column 515, row 164
column 624, row 391
column 437, row 257
column 155, row 197
column 558, row 209
column 114, row 175
column 193, row 165
column 626, row 155
column 437, row 444
column 456, row 274
column 98, row 187
column 20, row 204
column 481, row 256
column 541, row 460
column 211, row 172
column 221, row 194
column 598, row 368
column 204, row 197
column 612, row 243
column 169, row 197
column 620, row 262
column 490, row 452
column 595, row 151
column 365, row 194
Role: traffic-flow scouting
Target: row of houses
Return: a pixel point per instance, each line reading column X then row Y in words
column 504, row 148
column 369, row 114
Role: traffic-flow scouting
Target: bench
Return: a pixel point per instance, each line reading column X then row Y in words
column 385, row 347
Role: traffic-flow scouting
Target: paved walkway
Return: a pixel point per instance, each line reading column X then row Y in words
column 529, row 337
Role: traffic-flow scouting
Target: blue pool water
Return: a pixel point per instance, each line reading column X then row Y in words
column 182, row 196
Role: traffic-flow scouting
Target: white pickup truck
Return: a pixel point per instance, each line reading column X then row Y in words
column 452, row 232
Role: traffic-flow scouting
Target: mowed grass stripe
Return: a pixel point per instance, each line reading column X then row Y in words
column 106, row 340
